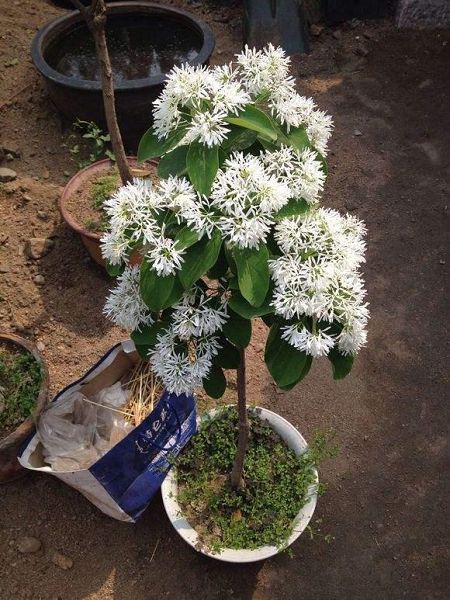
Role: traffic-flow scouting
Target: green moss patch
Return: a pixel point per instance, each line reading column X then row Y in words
column 20, row 382
column 276, row 484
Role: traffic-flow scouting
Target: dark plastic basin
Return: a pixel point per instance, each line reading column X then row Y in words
column 145, row 41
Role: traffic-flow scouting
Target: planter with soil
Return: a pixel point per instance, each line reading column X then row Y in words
column 81, row 201
column 23, row 395
column 273, row 509
column 145, row 41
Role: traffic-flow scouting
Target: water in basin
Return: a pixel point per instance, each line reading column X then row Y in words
column 140, row 46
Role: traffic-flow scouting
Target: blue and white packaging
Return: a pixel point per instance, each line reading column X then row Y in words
column 123, row 481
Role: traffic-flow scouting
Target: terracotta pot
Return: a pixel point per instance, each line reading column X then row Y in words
column 89, row 238
column 10, row 468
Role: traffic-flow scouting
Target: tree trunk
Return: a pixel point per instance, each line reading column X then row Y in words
column 237, row 479
column 95, row 18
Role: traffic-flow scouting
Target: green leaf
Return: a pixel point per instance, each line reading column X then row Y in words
column 238, row 139
column 199, row 258
column 148, row 334
column 243, row 308
column 238, row 329
column 253, row 273
column 215, row 384
column 304, row 373
column 114, row 270
column 292, row 208
column 175, row 294
column 150, row 146
column 155, row 290
column 202, row 164
column 185, row 238
column 298, row 138
column 256, row 120
column 285, row 363
column 342, row 364
column 173, row 163
column 228, row 356
column 220, row 268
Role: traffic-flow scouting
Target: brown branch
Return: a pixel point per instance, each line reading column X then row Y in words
column 95, row 18
column 237, row 479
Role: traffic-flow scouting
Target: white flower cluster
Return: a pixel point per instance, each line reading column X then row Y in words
column 265, row 74
column 302, row 172
column 318, row 288
column 183, row 354
column 124, row 306
column 247, row 197
column 200, row 99
column 134, row 215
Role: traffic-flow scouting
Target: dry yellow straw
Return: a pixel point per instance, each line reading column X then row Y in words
column 145, row 390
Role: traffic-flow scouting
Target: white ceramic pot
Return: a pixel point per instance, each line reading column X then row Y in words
column 169, row 492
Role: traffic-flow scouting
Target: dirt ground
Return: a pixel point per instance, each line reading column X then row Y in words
column 385, row 506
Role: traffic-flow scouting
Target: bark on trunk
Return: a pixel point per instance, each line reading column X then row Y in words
column 237, row 479
column 95, row 18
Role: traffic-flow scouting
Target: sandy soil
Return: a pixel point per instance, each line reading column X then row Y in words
column 385, row 506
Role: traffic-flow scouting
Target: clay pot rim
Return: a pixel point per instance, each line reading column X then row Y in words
column 78, row 179
column 61, row 25
column 26, row 427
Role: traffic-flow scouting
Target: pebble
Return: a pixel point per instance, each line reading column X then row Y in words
column 39, row 280
column 357, row 132
column 66, row 173
column 40, row 346
column 36, row 248
column 27, row 544
column 337, row 34
column 7, row 175
column 11, row 148
column 5, row 268
column 61, row 561
column 316, row 30
column 42, row 215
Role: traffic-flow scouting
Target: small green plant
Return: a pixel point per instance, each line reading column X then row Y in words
column 20, row 380
column 94, row 144
column 277, row 483
column 101, row 189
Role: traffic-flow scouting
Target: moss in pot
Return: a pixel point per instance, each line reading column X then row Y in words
column 23, row 395
column 233, row 232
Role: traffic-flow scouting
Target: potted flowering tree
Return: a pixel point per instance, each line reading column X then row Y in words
column 233, row 232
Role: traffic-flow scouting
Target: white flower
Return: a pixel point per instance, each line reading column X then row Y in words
column 114, row 246
column 289, row 108
column 316, row 344
column 245, row 231
column 124, row 305
column 164, row 257
column 319, row 126
column 182, row 366
column 208, row 127
column 317, row 276
column 247, row 197
column 302, row 173
column 176, row 193
column 352, row 337
column 198, row 315
column 263, row 70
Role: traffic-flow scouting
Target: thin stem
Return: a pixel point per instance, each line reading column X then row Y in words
column 95, row 18
column 237, row 479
